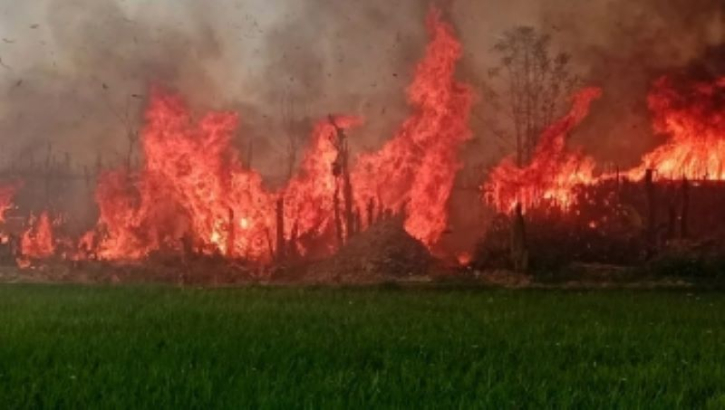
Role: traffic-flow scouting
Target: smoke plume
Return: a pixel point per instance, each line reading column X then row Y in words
column 75, row 73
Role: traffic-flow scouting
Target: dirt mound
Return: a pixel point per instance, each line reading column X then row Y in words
column 383, row 252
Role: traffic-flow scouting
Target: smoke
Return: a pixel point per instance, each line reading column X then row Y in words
column 78, row 71
column 74, row 73
column 623, row 46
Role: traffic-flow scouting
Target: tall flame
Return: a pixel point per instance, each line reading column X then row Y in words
column 193, row 188
column 554, row 170
column 416, row 169
column 309, row 195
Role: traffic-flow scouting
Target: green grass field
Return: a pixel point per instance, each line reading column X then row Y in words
column 158, row 347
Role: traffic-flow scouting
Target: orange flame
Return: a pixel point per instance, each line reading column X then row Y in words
column 416, row 169
column 308, row 196
column 37, row 241
column 7, row 193
column 692, row 118
column 553, row 172
column 193, row 186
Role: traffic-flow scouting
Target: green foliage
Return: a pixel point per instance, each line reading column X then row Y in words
column 141, row 347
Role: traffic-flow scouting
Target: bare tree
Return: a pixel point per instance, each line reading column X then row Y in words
column 529, row 87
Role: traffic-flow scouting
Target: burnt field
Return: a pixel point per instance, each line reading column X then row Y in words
column 161, row 347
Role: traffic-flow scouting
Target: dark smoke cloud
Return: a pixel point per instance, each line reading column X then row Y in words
column 80, row 73
column 623, row 46
column 347, row 57
column 91, row 73
column 75, row 65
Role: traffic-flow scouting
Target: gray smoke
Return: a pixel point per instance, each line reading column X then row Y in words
column 623, row 46
column 74, row 73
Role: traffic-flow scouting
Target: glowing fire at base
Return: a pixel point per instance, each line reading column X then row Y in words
column 193, row 192
column 38, row 242
column 553, row 172
column 692, row 118
column 691, row 115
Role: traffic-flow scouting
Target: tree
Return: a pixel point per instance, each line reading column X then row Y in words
column 529, row 86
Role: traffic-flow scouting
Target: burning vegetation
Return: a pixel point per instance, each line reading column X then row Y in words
column 194, row 196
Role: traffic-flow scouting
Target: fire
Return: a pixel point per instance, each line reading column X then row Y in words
column 691, row 116
column 416, row 169
column 464, row 258
column 308, row 197
column 554, row 171
column 193, row 193
column 7, row 193
column 38, row 241
column 192, row 190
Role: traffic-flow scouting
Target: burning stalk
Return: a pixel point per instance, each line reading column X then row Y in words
column 341, row 170
column 281, row 242
column 191, row 179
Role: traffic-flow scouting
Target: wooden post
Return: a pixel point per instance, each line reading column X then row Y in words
column 281, row 242
column 347, row 193
column 338, row 220
column 231, row 237
column 651, row 212
column 519, row 251
column 292, row 243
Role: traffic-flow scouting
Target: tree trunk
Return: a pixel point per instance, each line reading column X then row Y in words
column 651, row 213
column 519, row 251
column 281, row 243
